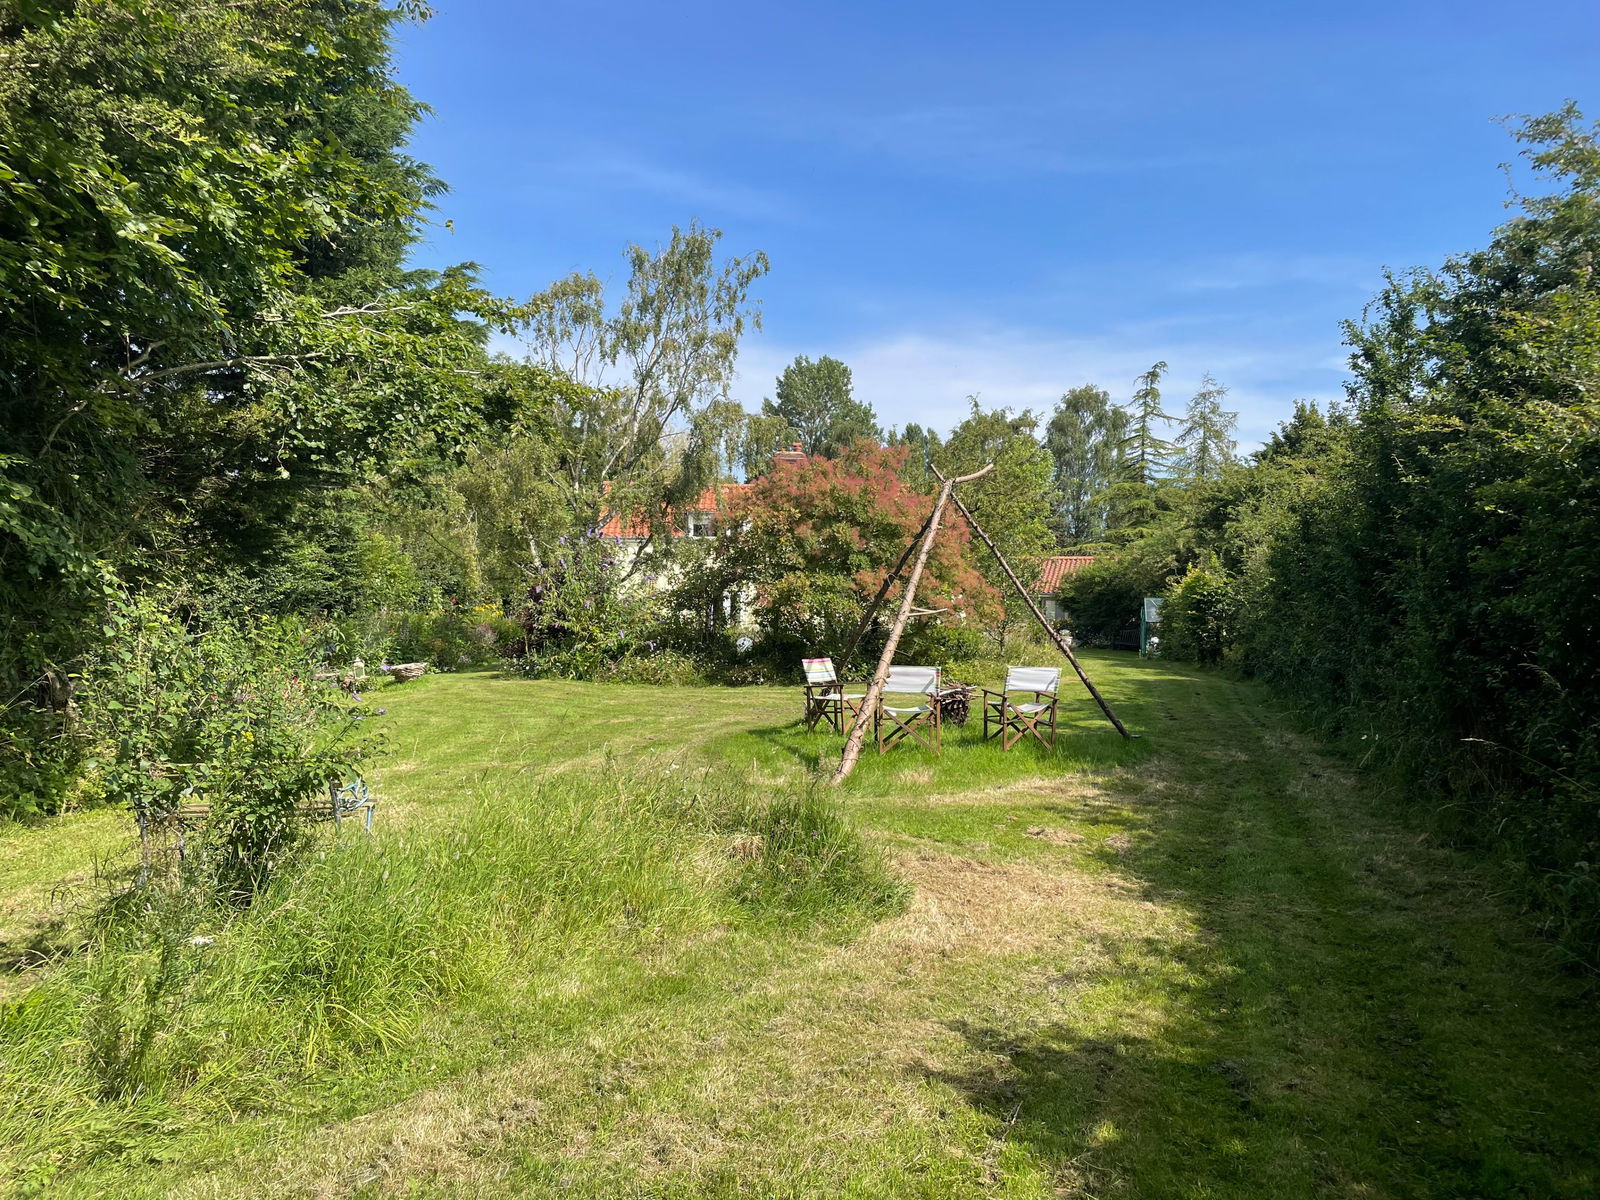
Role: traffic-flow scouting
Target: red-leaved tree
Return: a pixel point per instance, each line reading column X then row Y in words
column 815, row 540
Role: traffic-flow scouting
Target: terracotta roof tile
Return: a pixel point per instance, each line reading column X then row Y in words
column 1053, row 570
column 711, row 500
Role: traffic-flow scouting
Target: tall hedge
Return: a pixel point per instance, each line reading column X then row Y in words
column 1428, row 581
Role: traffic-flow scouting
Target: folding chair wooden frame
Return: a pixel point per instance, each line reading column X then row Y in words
column 920, row 723
column 1011, row 721
column 826, row 698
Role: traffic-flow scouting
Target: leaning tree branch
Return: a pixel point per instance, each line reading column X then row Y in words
column 869, row 704
column 218, row 364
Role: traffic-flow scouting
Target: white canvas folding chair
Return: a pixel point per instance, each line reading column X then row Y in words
column 826, row 698
column 894, row 723
column 1013, row 720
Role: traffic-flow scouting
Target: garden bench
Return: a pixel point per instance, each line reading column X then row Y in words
column 339, row 802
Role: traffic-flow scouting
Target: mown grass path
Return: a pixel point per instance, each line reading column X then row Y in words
column 1210, row 964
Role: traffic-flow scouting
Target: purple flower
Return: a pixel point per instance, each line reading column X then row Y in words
column 356, row 696
column 381, row 711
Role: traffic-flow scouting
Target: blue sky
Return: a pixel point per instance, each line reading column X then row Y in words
column 1006, row 199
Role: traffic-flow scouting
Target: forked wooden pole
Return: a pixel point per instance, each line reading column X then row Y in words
column 869, row 703
column 1055, row 637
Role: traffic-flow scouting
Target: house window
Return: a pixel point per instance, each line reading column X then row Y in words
column 700, row 525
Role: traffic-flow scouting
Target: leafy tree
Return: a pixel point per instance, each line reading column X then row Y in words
column 1084, row 438
column 1015, row 502
column 815, row 402
column 203, row 211
column 650, row 425
column 205, row 310
column 1306, row 434
column 816, row 540
column 922, row 445
column 1206, row 440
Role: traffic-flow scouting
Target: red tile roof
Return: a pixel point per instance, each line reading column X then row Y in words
column 1053, row 570
column 711, row 500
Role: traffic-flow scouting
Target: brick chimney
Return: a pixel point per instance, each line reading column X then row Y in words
column 793, row 456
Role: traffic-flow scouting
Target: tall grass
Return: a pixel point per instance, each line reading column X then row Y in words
column 178, row 1011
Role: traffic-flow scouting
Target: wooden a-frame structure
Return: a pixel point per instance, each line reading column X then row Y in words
column 921, row 546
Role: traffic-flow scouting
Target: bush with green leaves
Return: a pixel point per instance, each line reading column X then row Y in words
column 939, row 645
column 1417, row 574
column 583, row 613
column 1199, row 621
column 454, row 636
column 662, row 668
column 221, row 713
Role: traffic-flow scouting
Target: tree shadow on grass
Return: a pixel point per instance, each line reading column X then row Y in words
column 1330, row 1004
column 39, row 940
column 791, row 741
column 1067, row 1102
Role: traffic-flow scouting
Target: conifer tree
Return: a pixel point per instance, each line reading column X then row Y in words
column 1147, row 455
column 816, row 400
column 1207, row 439
column 1145, row 459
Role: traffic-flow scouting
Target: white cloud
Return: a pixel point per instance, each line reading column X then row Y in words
column 624, row 172
column 925, row 375
column 1250, row 270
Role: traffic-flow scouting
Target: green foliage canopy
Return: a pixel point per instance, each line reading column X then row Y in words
column 1015, row 502
column 817, row 407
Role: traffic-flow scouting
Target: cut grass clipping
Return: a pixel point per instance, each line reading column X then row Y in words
column 179, row 1012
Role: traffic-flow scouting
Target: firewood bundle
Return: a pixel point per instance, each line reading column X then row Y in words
column 955, row 703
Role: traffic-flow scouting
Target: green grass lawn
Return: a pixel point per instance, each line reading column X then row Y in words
column 1206, row 963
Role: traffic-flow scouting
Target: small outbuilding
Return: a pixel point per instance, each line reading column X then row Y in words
column 1052, row 572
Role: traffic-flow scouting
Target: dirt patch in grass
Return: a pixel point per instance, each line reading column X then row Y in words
column 1063, row 790
column 964, row 905
column 1055, row 835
